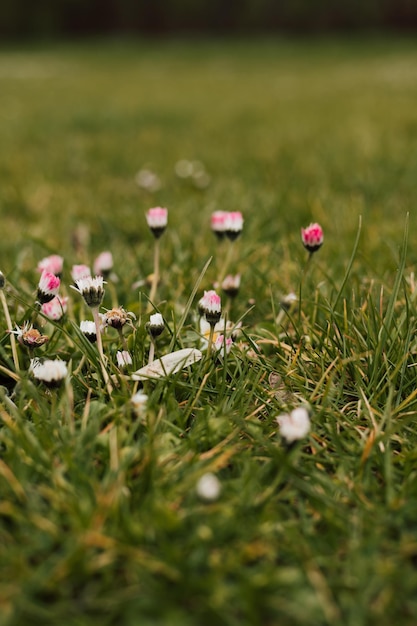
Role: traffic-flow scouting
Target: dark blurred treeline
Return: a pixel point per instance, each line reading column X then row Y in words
column 50, row 18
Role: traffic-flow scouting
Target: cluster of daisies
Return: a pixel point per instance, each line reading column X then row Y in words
column 217, row 333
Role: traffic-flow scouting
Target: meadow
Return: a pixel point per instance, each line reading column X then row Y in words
column 103, row 519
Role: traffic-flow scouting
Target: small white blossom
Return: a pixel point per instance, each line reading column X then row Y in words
column 208, row 487
column 123, row 358
column 49, row 372
column 139, row 403
column 295, row 425
column 155, row 325
column 88, row 328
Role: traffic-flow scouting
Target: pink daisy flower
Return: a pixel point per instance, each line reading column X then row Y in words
column 52, row 264
column 231, row 285
column 80, row 271
column 48, row 287
column 157, row 219
column 223, row 344
column 312, row 237
column 210, row 305
column 218, row 223
column 103, row 264
column 56, row 308
column 233, row 224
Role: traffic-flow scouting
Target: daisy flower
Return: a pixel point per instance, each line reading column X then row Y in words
column 295, row 425
column 157, row 219
column 91, row 289
column 48, row 287
column 312, row 237
column 52, row 264
column 50, row 372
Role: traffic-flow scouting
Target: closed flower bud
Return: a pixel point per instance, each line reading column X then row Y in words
column 80, row 271
column 103, row 264
column 218, row 223
column 123, row 358
column 157, row 219
column 53, row 264
column 48, row 287
column 156, row 325
column 233, row 224
column 210, row 306
column 231, row 285
column 312, row 237
column 88, row 328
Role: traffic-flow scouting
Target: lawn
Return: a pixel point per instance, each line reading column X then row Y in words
column 103, row 516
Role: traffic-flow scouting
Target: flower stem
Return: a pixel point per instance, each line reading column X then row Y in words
column 151, row 351
column 122, row 339
column 96, row 318
column 10, row 328
column 300, row 293
column 155, row 279
column 226, row 263
column 210, row 340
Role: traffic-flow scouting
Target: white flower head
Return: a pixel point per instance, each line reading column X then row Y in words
column 91, row 289
column 295, row 425
column 222, row 327
column 208, row 487
column 123, row 358
column 156, row 325
column 139, row 403
column 50, row 372
column 88, row 328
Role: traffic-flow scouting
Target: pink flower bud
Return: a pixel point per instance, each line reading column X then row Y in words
column 48, row 287
column 210, row 305
column 53, row 264
column 157, row 219
column 312, row 237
